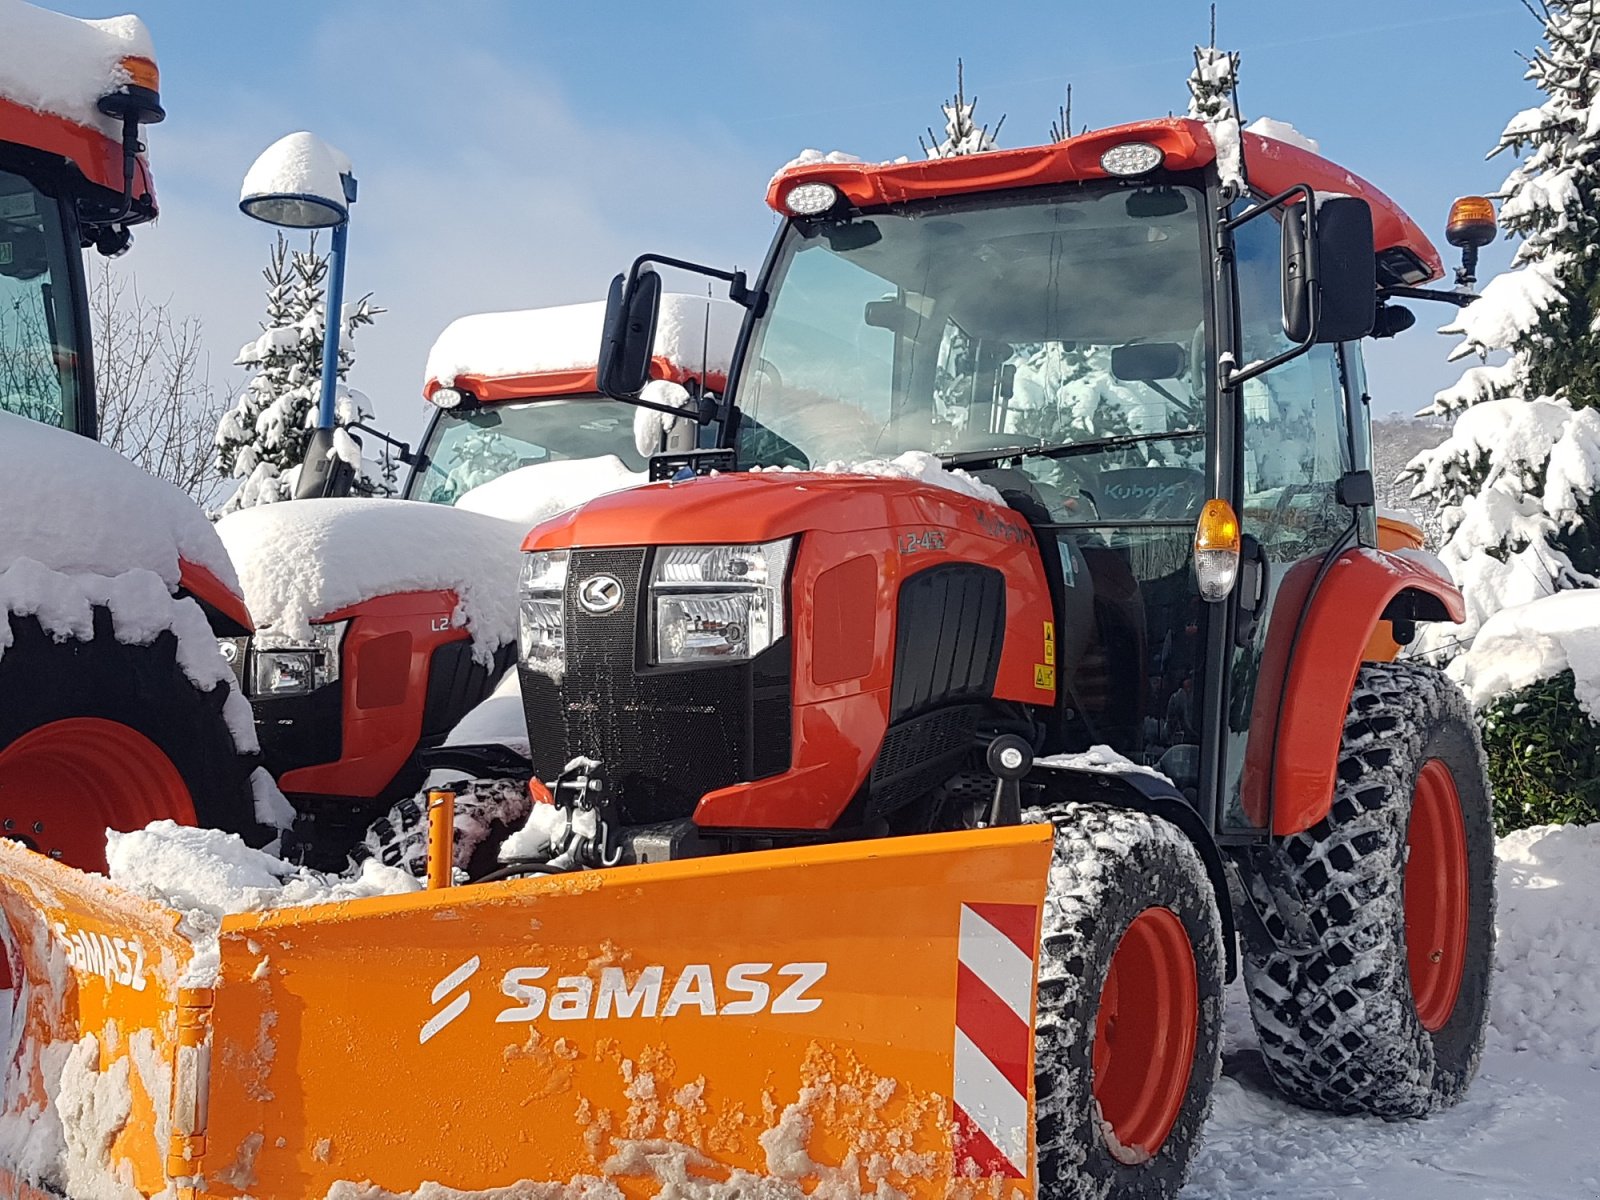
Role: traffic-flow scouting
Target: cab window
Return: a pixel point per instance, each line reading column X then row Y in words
column 39, row 338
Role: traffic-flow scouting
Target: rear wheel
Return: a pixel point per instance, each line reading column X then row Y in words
column 1386, row 1014
column 101, row 734
column 1128, row 1035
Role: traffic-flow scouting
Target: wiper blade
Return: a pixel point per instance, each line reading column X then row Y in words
column 978, row 458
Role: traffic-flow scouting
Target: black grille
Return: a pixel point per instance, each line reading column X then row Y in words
column 948, row 631
column 457, row 682
column 667, row 736
column 919, row 754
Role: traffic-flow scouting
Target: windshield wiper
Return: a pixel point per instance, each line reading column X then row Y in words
column 993, row 458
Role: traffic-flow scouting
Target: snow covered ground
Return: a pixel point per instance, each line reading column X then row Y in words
column 1527, row 1128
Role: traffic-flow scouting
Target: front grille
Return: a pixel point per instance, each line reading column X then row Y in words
column 667, row 736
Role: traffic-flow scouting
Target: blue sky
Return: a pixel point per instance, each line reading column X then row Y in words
column 518, row 154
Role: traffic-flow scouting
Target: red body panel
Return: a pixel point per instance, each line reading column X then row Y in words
column 839, row 724
column 92, row 152
column 384, row 677
column 1308, row 711
column 202, row 583
column 1272, row 167
column 579, row 381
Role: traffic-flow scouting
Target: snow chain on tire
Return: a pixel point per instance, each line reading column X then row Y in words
column 487, row 812
column 1338, row 1026
column 1109, row 866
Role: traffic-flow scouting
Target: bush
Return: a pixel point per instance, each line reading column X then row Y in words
column 1544, row 756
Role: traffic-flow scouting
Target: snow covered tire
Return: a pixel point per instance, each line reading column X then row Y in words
column 1112, row 868
column 1341, row 1027
column 487, row 812
column 136, row 693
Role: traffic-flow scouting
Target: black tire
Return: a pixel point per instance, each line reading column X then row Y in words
column 1110, row 866
column 487, row 812
column 1339, row 1027
column 143, row 688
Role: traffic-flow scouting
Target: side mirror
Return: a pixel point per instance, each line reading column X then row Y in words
column 1337, row 297
column 323, row 473
column 629, row 335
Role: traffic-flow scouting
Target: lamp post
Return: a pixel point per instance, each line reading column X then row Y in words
column 301, row 182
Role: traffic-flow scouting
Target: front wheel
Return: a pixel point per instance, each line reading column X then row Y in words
column 1129, row 1028
column 1385, row 1014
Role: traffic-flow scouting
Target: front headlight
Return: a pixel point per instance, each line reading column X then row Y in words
column 717, row 604
column 541, row 588
column 282, row 666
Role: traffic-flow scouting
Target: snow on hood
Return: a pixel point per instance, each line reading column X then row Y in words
column 1522, row 645
column 62, row 65
column 919, row 466
column 300, row 560
column 536, row 493
column 537, row 341
column 89, row 510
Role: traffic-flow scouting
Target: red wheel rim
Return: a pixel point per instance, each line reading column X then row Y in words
column 1436, row 895
column 64, row 784
column 1145, row 1032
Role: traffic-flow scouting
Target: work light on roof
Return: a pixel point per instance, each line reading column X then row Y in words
column 1132, row 158
column 447, row 397
column 811, row 199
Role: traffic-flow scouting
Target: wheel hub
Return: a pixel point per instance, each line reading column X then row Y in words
column 1436, row 903
column 1145, row 1031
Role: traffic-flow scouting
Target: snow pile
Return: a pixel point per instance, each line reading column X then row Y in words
column 536, row 493
column 919, row 466
column 499, row 719
column 300, row 164
column 810, row 158
column 1282, row 131
column 59, row 64
column 690, row 330
column 300, row 560
column 1522, row 645
column 1101, row 760
column 77, row 506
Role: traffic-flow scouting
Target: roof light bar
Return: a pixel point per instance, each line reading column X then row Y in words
column 811, row 199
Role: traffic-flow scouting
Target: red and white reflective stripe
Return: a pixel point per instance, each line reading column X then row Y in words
column 994, row 1037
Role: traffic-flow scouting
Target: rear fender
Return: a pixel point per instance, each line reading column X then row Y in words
column 1297, row 720
column 1149, row 794
column 97, row 1023
column 222, row 604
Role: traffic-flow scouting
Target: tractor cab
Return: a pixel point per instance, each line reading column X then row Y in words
column 516, row 389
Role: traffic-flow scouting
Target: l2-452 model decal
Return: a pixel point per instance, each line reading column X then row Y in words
column 994, row 1037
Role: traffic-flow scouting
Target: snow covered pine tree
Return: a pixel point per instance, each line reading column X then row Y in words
column 1515, row 484
column 262, row 438
column 962, row 133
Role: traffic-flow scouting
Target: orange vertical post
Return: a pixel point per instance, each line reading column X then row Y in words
column 441, row 837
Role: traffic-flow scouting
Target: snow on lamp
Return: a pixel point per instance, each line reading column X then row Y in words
column 299, row 182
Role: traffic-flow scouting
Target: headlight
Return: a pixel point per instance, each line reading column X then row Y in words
column 540, row 588
column 282, row 666
column 717, row 604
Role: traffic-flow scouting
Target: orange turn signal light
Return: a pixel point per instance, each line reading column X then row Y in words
column 1218, row 527
column 1471, row 222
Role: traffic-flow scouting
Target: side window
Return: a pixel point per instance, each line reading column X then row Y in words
column 38, row 340
column 1296, row 433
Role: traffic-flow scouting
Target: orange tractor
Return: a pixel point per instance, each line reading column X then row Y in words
column 115, row 707
column 901, row 806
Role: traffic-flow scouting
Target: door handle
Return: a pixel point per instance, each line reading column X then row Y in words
column 1251, row 592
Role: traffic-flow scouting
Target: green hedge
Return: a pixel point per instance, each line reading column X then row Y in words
column 1544, row 756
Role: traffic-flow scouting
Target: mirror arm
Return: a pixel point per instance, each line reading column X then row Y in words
column 406, row 455
column 1231, row 376
column 739, row 290
column 1459, row 299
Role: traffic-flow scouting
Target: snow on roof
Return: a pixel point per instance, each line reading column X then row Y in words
column 77, row 506
column 1282, row 131
column 54, row 63
column 539, row 341
column 1523, row 645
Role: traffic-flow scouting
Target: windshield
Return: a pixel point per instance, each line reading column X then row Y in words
column 469, row 447
column 1053, row 319
column 38, row 333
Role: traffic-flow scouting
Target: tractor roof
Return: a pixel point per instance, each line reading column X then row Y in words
column 1271, row 166
column 553, row 351
column 53, row 71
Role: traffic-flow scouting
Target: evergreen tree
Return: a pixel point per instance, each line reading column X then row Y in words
column 262, row 438
column 1213, row 98
column 962, row 134
column 1515, row 485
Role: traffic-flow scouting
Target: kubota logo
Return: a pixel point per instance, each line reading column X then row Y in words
column 600, row 594
column 744, row 989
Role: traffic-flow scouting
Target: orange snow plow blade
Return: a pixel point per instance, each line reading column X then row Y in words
column 851, row 1018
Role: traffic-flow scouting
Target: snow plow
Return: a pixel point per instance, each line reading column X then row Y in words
column 379, row 625
column 897, row 820
column 115, row 707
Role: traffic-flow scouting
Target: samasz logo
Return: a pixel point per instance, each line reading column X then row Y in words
column 616, row 994
column 118, row 961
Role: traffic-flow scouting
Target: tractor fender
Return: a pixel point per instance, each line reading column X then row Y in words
column 1157, row 796
column 1309, row 668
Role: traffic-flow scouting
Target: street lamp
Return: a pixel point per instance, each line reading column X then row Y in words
column 301, row 182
